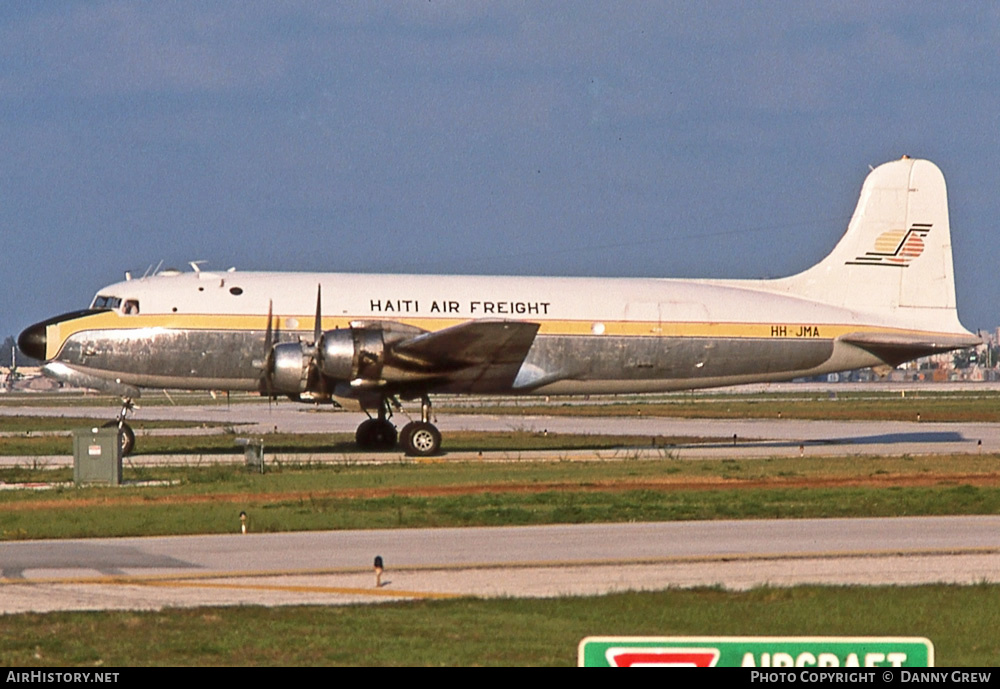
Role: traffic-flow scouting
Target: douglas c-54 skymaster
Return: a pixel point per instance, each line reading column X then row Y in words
column 885, row 295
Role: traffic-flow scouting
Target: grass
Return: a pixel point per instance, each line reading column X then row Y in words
column 886, row 407
column 206, row 499
column 49, row 424
column 308, row 513
column 960, row 621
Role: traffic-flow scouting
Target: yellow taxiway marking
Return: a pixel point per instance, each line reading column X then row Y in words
column 203, row 581
column 342, row 590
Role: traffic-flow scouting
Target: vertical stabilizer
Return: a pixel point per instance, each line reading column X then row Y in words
column 896, row 254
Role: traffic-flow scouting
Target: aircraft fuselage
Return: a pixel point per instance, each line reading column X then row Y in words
column 207, row 331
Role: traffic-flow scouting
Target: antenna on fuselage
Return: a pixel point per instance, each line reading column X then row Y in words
column 196, row 265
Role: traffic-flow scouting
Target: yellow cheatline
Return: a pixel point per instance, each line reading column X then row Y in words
column 58, row 333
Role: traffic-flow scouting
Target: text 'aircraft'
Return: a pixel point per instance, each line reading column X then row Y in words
column 884, row 295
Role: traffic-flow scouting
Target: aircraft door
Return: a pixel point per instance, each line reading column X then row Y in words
column 642, row 342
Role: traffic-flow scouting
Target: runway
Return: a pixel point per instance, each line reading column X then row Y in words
column 336, row 567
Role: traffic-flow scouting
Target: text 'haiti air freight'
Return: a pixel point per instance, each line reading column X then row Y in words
column 885, row 295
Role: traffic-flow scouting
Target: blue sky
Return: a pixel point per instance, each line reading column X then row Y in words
column 711, row 139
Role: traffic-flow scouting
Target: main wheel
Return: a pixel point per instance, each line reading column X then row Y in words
column 126, row 437
column 420, row 439
column 374, row 434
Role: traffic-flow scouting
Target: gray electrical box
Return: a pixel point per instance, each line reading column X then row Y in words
column 97, row 456
column 253, row 451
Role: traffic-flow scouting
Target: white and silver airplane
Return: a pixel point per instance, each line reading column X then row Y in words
column 884, row 295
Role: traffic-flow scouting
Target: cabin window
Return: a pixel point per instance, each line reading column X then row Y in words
column 103, row 301
column 131, row 307
column 236, row 291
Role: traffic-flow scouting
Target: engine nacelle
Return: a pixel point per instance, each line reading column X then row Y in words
column 290, row 364
column 352, row 353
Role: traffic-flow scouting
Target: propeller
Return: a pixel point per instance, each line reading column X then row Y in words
column 314, row 355
column 267, row 385
column 307, row 353
column 318, row 323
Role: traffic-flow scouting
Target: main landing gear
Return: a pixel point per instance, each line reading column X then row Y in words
column 125, row 433
column 377, row 434
column 416, row 439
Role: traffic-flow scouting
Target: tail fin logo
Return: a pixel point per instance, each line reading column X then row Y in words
column 895, row 248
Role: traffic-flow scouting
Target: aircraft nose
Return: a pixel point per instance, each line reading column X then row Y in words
column 32, row 341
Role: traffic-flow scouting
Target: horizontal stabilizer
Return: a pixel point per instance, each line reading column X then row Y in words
column 896, row 348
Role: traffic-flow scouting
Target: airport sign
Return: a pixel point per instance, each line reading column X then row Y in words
column 755, row 652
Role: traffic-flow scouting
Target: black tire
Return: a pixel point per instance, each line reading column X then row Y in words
column 126, row 437
column 420, row 439
column 404, row 435
column 376, row 435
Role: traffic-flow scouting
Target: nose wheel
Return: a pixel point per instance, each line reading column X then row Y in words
column 126, row 436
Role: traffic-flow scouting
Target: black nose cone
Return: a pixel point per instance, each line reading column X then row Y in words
column 32, row 341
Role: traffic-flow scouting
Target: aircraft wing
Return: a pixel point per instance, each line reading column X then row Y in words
column 895, row 348
column 474, row 355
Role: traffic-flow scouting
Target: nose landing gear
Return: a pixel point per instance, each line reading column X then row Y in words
column 125, row 433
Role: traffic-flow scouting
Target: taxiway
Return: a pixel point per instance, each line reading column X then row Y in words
column 336, row 567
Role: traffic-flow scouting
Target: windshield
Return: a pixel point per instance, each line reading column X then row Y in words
column 103, row 301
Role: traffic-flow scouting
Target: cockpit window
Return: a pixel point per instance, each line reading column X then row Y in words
column 103, row 301
column 131, row 307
